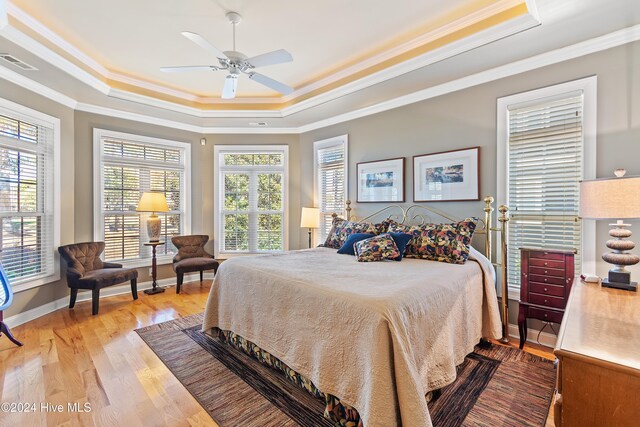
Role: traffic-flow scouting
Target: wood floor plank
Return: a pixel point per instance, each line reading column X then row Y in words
column 70, row 356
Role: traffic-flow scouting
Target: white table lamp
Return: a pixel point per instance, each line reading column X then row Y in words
column 153, row 202
column 310, row 218
column 619, row 199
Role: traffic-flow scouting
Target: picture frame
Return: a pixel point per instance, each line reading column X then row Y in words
column 381, row 180
column 447, row 176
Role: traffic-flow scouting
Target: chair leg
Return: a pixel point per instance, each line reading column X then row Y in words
column 180, row 279
column 201, row 275
column 74, row 295
column 134, row 288
column 95, row 301
column 4, row 329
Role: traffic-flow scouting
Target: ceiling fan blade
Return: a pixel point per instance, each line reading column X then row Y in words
column 271, row 58
column 269, row 82
column 200, row 41
column 187, row 68
column 230, row 86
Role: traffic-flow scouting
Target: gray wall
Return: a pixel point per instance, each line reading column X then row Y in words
column 77, row 180
column 457, row 120
column 468, row 118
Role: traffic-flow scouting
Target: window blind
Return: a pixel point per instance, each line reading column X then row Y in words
column 129, row 168
column 252, row 200
column 331, row 173
column 545, row 166
column 26, row 199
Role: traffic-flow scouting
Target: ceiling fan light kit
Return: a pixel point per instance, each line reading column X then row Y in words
column 236, row 63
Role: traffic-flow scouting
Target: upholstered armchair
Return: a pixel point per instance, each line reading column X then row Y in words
column 192, row 257
column 85, row 270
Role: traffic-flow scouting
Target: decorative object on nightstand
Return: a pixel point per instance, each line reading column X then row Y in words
column 545, row 283
column 310, row 218
column 6, row 298
column 614, row 198
column 153, row 202
column 155, row 289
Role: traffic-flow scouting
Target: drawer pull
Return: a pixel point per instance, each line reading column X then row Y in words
column 545, row 315
column 545, row 272
column 546, row 263
column 546, row 290
column 546, row 301
column 545, row 280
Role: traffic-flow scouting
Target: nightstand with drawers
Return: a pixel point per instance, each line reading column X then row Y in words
column 545, row 282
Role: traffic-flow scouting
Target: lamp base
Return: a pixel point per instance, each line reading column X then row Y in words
column 153, row 291
column 633, row 286
column 153, row 228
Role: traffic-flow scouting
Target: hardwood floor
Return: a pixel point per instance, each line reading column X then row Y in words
column 70, row 356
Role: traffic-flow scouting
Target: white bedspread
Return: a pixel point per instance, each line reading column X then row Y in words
column 377, row 335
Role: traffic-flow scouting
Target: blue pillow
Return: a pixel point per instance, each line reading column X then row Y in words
column 347, row 248
column 401, row 240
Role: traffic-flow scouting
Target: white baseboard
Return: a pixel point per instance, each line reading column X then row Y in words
column 34, row 313
column 546, row 339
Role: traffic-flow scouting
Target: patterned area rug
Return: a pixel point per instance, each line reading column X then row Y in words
column 497, row 386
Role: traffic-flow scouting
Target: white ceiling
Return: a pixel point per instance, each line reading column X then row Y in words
column 564, row 24
column 138, row 37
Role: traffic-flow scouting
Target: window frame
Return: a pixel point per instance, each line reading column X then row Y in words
column 588, row 86
column 26, row 114
column 218, row 151
column 321, row 145
column 98, row 188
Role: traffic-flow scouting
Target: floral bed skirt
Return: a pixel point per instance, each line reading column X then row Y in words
column 341, row 414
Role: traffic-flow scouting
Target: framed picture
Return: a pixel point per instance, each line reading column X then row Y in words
column 447, row 176
column 381, row 181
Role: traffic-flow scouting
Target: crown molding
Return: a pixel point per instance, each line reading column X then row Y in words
column 617, row 38
column 587, row 47
column 39, row 88
column 488, row 35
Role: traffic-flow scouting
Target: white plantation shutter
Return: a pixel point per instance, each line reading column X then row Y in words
column 331, row 182
column 545, row 166
column 127, row 168
column 26, row 199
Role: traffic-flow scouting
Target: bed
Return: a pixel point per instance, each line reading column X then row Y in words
column 374, row 338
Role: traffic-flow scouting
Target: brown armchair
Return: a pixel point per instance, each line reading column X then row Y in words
column 192, row 257
column 85, row 270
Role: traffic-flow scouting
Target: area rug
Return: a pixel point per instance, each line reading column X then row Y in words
column 496, row 386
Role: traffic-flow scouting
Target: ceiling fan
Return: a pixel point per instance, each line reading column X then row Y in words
column 236, row 63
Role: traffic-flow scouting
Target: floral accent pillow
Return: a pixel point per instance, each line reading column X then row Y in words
column 342, row 229
column 376, row 248
column 439, row 242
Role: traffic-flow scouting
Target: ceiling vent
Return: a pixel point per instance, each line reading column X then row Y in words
column 18, row 63
column 258, row 124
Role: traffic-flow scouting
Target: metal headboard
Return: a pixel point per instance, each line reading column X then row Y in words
column 415, row 214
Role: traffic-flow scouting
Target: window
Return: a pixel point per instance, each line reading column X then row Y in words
column 330, row 181
column 546, row 149
column 29, row 187
column 125, row 166
column 251, row 195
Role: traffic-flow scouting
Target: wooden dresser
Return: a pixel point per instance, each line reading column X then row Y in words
column 598, row 350
column 546, row 277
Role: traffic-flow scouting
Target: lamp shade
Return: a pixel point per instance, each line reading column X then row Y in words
column 152, row 201
column 310, row 218
column 610, row 198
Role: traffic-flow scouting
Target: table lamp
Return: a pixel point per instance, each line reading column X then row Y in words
column 310, row 218
column 153, row 202
column 619, row 199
